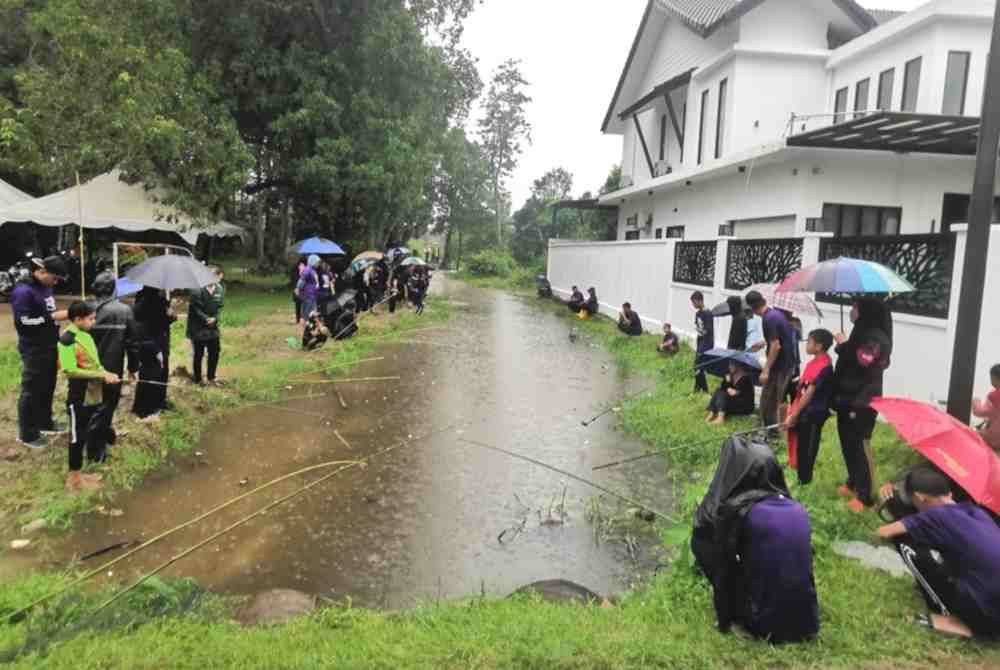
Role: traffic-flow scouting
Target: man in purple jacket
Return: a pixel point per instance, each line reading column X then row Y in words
column 35, row 314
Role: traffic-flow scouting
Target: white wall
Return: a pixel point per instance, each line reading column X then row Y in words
column 788, row 24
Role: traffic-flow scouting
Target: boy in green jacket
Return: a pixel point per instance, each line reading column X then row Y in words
column 80, row 362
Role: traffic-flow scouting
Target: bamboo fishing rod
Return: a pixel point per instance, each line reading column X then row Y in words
column 560, row 471
column 683, row 447
column 263, row 510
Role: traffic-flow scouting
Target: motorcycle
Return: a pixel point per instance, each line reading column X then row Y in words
column 17, row 272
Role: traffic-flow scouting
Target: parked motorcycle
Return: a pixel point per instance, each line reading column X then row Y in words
column 9, row 278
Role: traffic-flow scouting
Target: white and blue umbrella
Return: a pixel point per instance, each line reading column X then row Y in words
column 319, row 246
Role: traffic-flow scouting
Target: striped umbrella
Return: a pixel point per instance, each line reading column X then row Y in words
column 800, row 304
column 850, row 276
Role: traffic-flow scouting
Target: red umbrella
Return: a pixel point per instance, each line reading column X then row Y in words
column 951, row 445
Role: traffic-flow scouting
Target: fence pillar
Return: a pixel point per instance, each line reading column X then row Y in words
column 721, row 258
column 810, row 247
column 669, row 256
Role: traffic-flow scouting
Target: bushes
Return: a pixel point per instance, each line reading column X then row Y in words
column 491, row 263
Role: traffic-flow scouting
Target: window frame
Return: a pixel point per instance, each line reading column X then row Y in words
column 965, row 83
column 671, row 231
column 702, row 120
column 882, row 89
column 632, row 235
column 919, row 63
column 663, row 137
column 859, row 112
column 840, row 110
column 883, row 214
column 720, row 118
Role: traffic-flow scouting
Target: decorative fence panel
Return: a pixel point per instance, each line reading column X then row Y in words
column 694, row 263
column 750, row 262
column 926, row 261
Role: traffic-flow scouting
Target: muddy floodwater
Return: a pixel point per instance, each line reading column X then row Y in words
column 436, row 519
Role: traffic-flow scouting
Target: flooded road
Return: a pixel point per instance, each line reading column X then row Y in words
column 423, row 522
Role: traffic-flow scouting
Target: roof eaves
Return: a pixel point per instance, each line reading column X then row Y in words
column 628, row 64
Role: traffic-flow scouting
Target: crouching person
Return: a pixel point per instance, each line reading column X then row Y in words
column 80, row 362
column 953, row 551
column 754, row 544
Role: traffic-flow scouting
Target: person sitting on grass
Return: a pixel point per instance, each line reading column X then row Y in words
column 734, row 398
column 989, row 409
column 80, row 362
column 592, row 306
column 576, row 300
column 811, row 406
column 953, row 551
column 629, row 321
column 315, row 333
column 670, row 344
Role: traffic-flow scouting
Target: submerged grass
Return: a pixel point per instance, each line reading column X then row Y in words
column 865, row 614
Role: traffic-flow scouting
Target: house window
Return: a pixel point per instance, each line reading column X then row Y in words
column 886, row 81
column 911, row 85
column 663, row 137
column 955, row 209
column 861, row 98
column 840, row 105
column 956, row 79
column 684, row 127
column 675, row 232
column 861, row 220
column 631, row 235
column 720, row 120
column 701, row 125
column 659, row 233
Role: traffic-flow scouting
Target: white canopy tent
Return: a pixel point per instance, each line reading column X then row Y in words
column 10, row 195
column 107, row 202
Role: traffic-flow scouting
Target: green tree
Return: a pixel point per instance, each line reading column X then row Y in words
column 503, row 128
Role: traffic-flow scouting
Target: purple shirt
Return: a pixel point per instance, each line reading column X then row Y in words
column 776, row 327
column 32, row 305
column 969, row 542
column 777, row 555
column 310, row 285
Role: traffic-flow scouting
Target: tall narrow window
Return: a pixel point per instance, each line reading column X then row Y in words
column 663, row 137
column 701, row 125
column 684, row 127
column 956, row 79
column 911, row 85
column 720, row 120
column 840, row 105
column 861, row 97
column 886, row 81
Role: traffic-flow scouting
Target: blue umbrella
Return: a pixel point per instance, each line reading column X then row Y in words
column 319, row 246
column 125, row 286
column 716, row 362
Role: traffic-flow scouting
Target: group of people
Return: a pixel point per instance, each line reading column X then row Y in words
column 583, row 307
column 749, row 532
column 106, row 343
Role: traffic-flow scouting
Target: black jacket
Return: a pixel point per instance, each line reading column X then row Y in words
column 864, row 358
column 116, row 336
column 152, row 320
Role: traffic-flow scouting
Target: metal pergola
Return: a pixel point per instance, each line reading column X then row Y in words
column 896, row 131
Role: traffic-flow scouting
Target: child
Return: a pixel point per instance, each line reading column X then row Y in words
column 953, row 551
column 315, row 333
column 733, row 398
column 810, row 408
column 670, row 344
column 629, row 321
column 990, row 410
column 705, row 327
column 81, row 363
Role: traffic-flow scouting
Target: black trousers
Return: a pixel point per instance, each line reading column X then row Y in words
column 855, row 427
column 939, row 589
column 810, row 436
column 149, row 398
column 100, row 431
column 81, row 417
column 213, row 348
column 38, row 386
column 700, row 380
column 298, row 308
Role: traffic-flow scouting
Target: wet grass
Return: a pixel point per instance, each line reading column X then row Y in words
column 866, row 615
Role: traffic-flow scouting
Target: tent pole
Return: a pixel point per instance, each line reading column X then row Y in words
column 83, row 260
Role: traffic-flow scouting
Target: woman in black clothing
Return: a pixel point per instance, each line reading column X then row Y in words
column 737, row 331
column 294, row 276
column 592, row 305
column 153, row 317
column 734, row 398
column 862, row 361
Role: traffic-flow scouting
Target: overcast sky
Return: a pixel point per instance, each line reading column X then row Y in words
column 572, row 53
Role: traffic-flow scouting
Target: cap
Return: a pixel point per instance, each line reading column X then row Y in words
column 54, row 265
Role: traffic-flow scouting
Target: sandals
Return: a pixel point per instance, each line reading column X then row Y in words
column 926, row 621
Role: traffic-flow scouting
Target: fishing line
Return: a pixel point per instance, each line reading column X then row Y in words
column 684, row 447
column 571, row 476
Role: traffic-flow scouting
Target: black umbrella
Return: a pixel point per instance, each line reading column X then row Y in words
column 171, row 272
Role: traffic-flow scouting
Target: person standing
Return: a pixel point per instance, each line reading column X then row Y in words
column 117, row 341
column 204, row 312
column 307, row 287
column 738, row 328
column 34, row 308
column 153, row 318
column 296, row 274
column 811, row 406
column 81, row 364
column 779, row 366
column 704, row 327
column 862, row 360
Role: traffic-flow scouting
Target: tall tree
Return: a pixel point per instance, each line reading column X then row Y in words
column 503, row 128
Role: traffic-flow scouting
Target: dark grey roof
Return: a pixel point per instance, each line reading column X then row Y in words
column 704, row 16
column 883, row 15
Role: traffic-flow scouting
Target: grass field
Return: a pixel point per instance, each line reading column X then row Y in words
column 670, row 624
